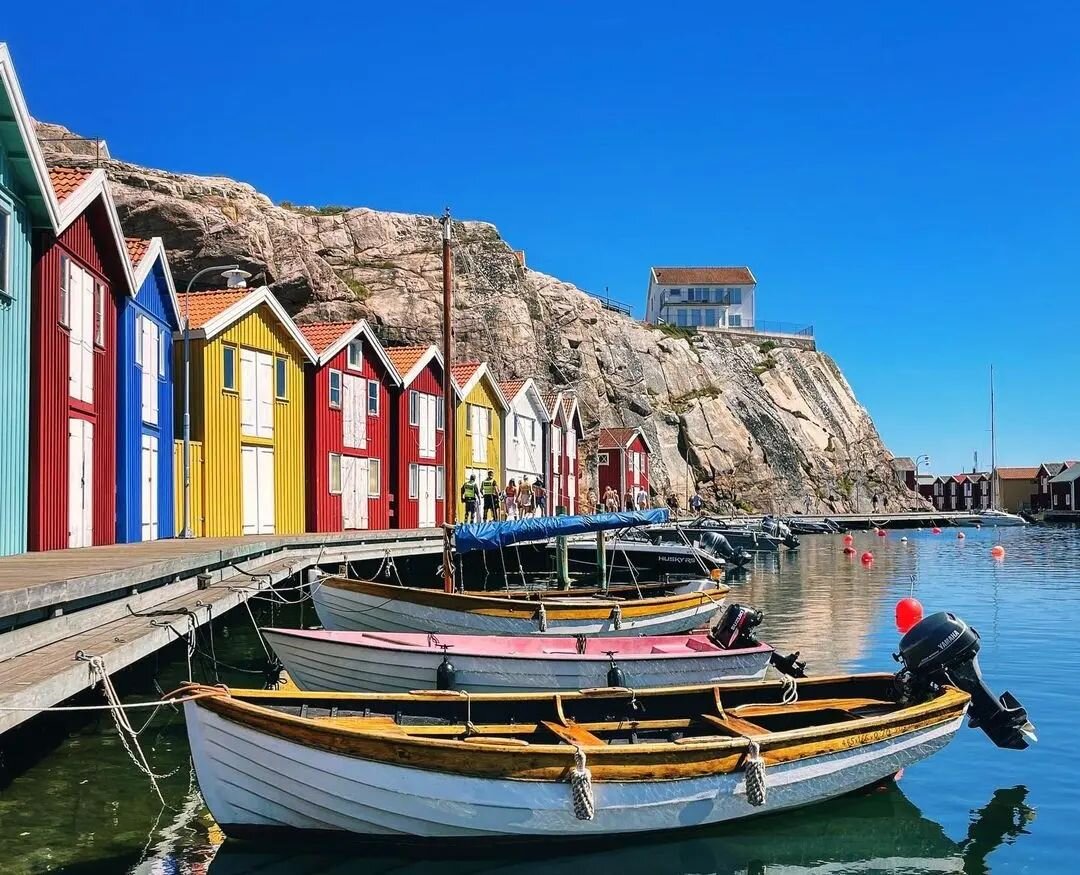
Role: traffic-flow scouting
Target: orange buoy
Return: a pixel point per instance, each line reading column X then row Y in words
column 997, row 551
column 960, row 536
column 908, row 612
column 867, row 557
column 849, row 539
column 935, row 530
column 849, row 550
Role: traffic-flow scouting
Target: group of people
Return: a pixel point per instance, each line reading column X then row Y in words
column 485, row 501
column 636, row 498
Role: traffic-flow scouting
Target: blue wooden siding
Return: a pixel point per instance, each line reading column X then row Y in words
column 14, row 369
column 152, row 302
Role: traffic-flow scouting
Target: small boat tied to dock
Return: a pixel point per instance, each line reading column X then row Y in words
column 448, row 765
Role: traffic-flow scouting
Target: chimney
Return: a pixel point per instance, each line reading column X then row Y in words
column 519, row 254
column 236, row 278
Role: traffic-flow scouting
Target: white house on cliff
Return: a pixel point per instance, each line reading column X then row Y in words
column 701, row 297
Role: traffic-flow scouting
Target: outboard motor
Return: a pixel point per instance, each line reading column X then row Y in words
column 714, row 542
column 735, row 629
column 942, row 649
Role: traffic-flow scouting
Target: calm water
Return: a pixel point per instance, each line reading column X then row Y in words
column 972, row 808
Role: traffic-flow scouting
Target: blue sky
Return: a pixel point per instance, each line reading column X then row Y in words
column 902, row 176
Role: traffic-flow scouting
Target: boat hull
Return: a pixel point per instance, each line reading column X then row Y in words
column 255, row 782
column 360, row 606
column 330, row 662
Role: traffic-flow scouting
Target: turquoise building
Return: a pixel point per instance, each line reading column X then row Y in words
column 26, row 202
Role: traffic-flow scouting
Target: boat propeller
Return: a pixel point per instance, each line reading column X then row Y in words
column 943, row 649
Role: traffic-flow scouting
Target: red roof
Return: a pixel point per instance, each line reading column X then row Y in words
column 322, row 335
column 1018, row 473
column 65, row 180
column 549, row 399
column 510, row 388
column 137, row 249
column 616, row 438
column 689, row 276
column 462, row 372
column 204, row 306
column 404, row 358
column 568, row 405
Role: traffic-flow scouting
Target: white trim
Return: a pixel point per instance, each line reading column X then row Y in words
column 575, row 414
column 154, row 252
column 350, row 334
column 247, row 304
column 529, row 387
column 25, row 124
column 481, row 371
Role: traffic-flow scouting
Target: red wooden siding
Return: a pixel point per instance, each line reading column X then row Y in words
column 609, row 474
column 83, row 241
column 326, row 436
column 617, row 473
column 637, row 446
column 405, row 449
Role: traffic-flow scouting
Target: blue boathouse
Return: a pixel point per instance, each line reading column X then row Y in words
column 145, row 490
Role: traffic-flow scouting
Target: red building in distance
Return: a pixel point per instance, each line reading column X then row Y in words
column 622, row 461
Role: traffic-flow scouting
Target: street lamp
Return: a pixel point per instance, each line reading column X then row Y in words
column 186, row 531
column 918, row 463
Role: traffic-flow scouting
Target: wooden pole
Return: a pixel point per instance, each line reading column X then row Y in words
column 450, row 497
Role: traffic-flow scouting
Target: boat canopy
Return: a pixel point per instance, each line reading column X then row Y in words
column 492, row 536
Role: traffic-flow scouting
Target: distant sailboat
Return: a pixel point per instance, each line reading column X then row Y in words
column 994, row 516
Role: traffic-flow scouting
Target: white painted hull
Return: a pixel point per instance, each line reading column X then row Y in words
column 327, row 665
column 252, row 780
column 347, row 610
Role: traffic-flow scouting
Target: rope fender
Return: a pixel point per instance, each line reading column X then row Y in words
column 756, row 788
column 581, row 791
column 541, row 618
column 616, row 616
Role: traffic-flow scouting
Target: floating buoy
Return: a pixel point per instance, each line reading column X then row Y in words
column 849, row 539
column 867, row 557
column 849, row 550
column 997, row 551
column 978, row 525
column 935, row 531
column 903, row 540
column 960, row 536
column 881, row 533
column 908, row 612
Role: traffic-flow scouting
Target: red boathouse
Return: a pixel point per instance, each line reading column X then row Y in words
column 80, row 273
column 348, row 398
column 417, row 455
column 622, row 461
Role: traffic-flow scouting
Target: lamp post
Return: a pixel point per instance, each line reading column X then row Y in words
column 919, row 460
column 186, row 531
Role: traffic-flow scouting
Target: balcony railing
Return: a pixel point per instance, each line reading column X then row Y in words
column 793, row 328
column 609, row 303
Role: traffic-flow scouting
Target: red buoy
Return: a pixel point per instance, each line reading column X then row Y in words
column 867, row 557
column 960, row 536
column 849, row 550
column 849, row 539
column 881, row 533
column 997, row 551
column 935, row 530
column 908, row 612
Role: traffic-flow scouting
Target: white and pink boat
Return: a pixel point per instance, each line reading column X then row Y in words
column 399, row 662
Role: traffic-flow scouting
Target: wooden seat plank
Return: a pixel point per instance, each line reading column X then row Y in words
column 573, row 734
column 735, row 725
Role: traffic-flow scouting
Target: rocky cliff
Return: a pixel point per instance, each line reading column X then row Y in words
column 753, row 424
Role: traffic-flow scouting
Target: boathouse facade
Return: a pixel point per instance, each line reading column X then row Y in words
column 622, row 461
column 247, row 412
column 145, row 493
column 81, row 274
column 27, row 203
column 566, row 484
column 527, row 424
column 349, row 415
column 418, row 449
column 481, row 415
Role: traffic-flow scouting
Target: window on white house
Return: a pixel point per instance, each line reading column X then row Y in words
column 356, row 357
column 335, row 389
column 414, row 478
column 335, row 473
column 374, row 475
column 373, row 398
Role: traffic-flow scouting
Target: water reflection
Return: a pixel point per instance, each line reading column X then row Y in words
column 883, row 831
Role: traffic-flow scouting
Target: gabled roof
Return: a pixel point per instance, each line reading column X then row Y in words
column 214, row 311
column 327, row 339
column 75, row 189
column 409, row 361
column 572, row 414
column 21, row 144
column 926, row 479
column 1052, row 468
column 1017, row 473
column 512, row 388
column 1068, row 475
column 709, row 276
column 467, row 374
column 143, row 255
column 553, row 403
column 621, row 438
column 903, row 463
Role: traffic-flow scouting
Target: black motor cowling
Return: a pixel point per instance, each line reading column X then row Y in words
column 735, row 629
column 718, row 545
column 943, row 649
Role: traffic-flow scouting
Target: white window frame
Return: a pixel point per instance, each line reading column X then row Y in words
column 355, row 347
column 414, row 408
column 374, row 477
column 440, row 482
column 468, row 417
column 440, row 414
column 602, row 458
column 334, row 468
column 330, row 389
column 65, row 291
column 163, row 347
column 283, row 365
column 99, row 313
column 229, row 347
column 414, row 480
column 372, row 411
column 138, row 339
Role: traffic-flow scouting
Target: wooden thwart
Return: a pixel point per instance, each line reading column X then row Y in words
column 573, row 734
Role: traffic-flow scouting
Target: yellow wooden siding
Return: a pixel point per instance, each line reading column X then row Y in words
column 483, row 395
column 198, row 505
column 216, row 421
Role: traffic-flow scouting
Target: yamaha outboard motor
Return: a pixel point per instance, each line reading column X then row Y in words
column 735, row 629
column 942, row 649
column 714, row 542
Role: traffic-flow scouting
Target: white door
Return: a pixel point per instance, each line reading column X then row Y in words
column 80, row 483
column 354, row 411
column 360, row 494
column 264, row 409
column 149, row 340
column 149, row 487
column 266, row 490
column 257, row 470
column 426, row 495
column 354, row 493
column 80, row 333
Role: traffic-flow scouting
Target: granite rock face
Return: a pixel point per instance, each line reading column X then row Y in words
column 752, row 424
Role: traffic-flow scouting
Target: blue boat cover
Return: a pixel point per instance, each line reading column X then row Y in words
column 492, row 536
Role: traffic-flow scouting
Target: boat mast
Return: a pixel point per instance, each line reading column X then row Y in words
column 993, row 442
column 449, row 454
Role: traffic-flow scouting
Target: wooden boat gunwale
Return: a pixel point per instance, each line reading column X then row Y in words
column 644, row 761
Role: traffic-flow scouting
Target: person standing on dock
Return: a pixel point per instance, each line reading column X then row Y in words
column 489, row 489
column 611, row 500
column 642, row 499
column 468, row 498
column 695, row 503
column 591, row 501
column 539, row 497
column 510, row 500
column 630, row 500
column 525, row 498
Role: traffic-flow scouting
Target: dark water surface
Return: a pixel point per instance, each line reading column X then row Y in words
column 82, row 808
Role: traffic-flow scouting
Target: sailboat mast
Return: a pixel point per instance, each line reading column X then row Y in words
column 993, row 442
column 449, row 453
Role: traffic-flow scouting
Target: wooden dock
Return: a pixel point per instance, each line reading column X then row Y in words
column 56, row 605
